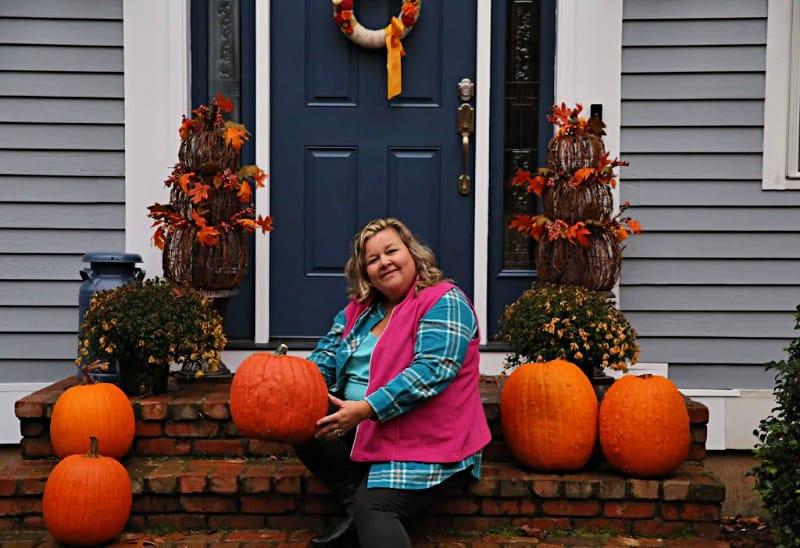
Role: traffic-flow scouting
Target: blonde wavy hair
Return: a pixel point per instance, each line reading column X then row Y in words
column 360, row 288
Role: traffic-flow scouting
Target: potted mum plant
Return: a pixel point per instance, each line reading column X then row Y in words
column 146, row 326
column 570, row 322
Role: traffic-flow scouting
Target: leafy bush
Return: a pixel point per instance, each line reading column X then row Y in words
column 571, row 322
column 151, row 322
column 778, row 449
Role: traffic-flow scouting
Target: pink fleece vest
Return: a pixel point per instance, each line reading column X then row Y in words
column 448, row 427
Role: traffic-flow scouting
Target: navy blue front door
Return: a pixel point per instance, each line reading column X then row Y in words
column 342, row 154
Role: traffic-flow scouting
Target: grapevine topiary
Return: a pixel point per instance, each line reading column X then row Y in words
column 778, row 449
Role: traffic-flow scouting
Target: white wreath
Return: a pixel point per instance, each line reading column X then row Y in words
column 370, row 38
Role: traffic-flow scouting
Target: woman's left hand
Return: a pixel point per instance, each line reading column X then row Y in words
column 347, row 417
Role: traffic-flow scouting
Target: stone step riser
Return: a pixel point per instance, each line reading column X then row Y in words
column 191, row 469
column 262, row 493
column 194, row 420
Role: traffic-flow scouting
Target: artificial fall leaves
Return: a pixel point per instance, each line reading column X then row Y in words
column 579, row 233
column 536, row 226
column 202, row 188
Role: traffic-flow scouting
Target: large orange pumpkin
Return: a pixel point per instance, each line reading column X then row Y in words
column 644, row 426
column 548, row 411
column 278, row 397
column 87, row 499
column 94, row 409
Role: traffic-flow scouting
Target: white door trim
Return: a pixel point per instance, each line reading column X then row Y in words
column 157, row 93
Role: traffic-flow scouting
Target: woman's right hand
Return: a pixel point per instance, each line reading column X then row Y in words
column 348, row 415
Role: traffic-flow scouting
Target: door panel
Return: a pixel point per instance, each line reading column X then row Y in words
column 342, row 154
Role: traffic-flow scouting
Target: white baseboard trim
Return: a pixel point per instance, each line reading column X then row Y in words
column 9, row 394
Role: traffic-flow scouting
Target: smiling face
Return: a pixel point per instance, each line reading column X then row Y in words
column 390, row 266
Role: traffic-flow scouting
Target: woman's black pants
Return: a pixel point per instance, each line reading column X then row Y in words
column 378, row 513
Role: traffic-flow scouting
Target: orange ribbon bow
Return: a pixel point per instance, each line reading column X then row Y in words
column 394, row 53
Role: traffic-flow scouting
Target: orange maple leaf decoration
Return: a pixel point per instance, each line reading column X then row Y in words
column 581, row 175
column 186, row 126
column 235, row 135
column 579, row 233
column 566, row 118
column 534, row 185
column 159, row 236
column 198, row 193
column 207, row 235
column 224, row 103
column 184, row 181
column 635, row 226
column 244, row 193
column 265, row 223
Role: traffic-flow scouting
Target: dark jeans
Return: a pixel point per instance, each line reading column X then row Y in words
column 378, row 513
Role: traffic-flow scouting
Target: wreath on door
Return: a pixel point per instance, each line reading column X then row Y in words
column 389, row 37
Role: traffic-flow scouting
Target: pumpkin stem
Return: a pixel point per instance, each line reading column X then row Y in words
column 96, row 365
column 94, row 448
column 281, row 350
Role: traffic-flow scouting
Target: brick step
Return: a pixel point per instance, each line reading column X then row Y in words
column 193, row 419
column 256, row 493
column 192, row 470
column 289, row 539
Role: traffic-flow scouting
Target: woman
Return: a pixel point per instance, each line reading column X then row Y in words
column 402, row 360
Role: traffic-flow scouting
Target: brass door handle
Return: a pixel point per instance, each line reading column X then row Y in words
column 466, row 127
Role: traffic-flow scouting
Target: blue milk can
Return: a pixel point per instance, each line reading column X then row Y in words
column 106, row 271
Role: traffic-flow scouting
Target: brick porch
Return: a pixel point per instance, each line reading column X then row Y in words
column 191, row 470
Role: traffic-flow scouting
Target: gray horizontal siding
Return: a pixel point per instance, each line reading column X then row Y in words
column 63, row 216
column 61, row 85
column 62, row 9
column 711, row 285
column 60, row 241
column 30, row 188
column 643, row 165
column 682, row 10
column 703, row 193
column 693, row 86
column 62, row 168
column 700, row 298
column 62, row 110
column 727, row 324
column 690, row 140
column 42, row 267
column 696, row 33
column 60, row 162
column 60, row 58
column 60, row 32
column 50, row 319
column 731, row 221
column 693, row 59
column 638, row 111
column 701, row 245
column 44, row 371
column 61, row 137
column 721, row 376
column 670, row 271
column 21, row 346
column 24, row 293
column 713, row 351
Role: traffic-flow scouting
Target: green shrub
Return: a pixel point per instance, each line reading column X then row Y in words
column 778, row 449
